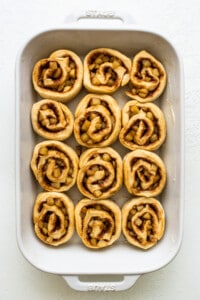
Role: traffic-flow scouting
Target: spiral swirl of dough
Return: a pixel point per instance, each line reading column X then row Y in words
column 144, row 173
column 55, row 166
column 148, row 78
column 100, row 173
column 52, row 120
column 106, row 70
column 58, row 77
column 143, row 126
column 143, row 222
column 97, row 121
column 98, row 223
column 53, row 218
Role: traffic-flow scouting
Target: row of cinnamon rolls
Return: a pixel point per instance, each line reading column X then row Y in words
column 99, row 122
column 99, row 172
column 62, row 74
column 98, row 223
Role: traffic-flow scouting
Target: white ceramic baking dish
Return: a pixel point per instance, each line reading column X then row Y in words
column 119, row 265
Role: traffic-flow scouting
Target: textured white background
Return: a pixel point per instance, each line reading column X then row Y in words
column 180, row 22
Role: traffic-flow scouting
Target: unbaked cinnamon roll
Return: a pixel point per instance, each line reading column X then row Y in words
column 55, row 166
column 97, row 121
column 98, row 223
column 143, row 126
column 143, row 222
column 52, row 120
column 144, row 173
column 106, row 70
column 58, row 77
column 148, row 78
column 53, row 218
column 100, row 173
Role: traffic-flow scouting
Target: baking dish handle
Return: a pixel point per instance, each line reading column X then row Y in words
column 99, row 16
column 103, row 286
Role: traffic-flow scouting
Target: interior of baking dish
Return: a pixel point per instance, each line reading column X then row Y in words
column 120, row 258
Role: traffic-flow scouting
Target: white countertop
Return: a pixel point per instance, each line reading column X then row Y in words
column 179, row 21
